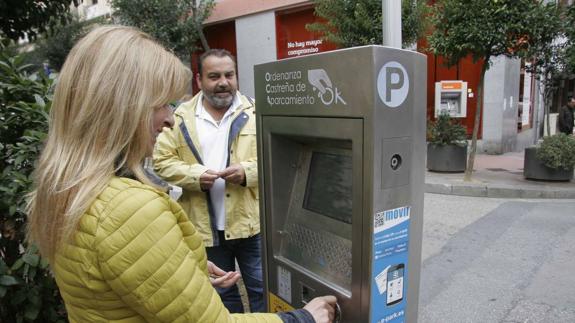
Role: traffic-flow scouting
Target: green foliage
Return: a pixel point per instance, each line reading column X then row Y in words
column 349, row 23
column 31, row 17
column 27, row 289
column 414, row 20
column 570, row 45
column 177, row 24
column 546, row 55
column 488, row 28
column 446, row 131
column 545, row 51
column 484, row 29
column 56, row 46
column 557, row 151
column 359, row 22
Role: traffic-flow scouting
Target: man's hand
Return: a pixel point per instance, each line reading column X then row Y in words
column 220, row 278
column 207, row 179
column 234, row 174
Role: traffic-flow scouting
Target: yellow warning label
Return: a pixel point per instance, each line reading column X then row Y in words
column 277, row 304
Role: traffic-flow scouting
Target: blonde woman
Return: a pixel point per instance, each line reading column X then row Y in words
column 121, row 250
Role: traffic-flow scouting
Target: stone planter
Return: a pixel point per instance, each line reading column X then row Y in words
column 450, row 158
column 533, row 168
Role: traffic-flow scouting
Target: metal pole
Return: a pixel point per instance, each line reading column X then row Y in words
column 391, row 23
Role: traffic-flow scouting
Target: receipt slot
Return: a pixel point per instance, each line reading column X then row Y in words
column 451, row 98
column 341, row 148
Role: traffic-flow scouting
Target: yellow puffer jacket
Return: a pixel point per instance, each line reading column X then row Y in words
column 176, row 160
column 137, row 258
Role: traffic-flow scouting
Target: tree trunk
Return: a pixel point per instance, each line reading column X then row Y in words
column 547, row 91
column 546, row 112
column 199, row 24
column 203, row 38
column 471, row 158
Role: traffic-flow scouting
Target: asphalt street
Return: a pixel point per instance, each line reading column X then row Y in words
column 497, row 260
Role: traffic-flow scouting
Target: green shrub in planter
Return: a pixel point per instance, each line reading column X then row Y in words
column 446, row 131
column 447, row 145
column 557, row 151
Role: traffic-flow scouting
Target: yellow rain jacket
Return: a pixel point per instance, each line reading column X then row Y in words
column 177, row 159
column 137, row 258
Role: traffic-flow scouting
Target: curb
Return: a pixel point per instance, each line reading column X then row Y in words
column 499, row 191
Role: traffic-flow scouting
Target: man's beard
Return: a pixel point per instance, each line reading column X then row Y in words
column 219, row 103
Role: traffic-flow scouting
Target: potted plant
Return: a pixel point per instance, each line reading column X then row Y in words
column 552, row 160
column 446, row 145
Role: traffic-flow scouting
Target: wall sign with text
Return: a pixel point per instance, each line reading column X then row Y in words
column 293, row 39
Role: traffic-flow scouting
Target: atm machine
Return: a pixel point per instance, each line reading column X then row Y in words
column 341, row 148
column 451, row 98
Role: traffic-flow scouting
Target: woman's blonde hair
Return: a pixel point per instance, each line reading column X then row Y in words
column 101, row 123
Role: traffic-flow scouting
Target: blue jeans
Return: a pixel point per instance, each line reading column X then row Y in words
column 247, row 252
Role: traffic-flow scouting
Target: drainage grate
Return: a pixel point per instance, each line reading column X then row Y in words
column 497, row 169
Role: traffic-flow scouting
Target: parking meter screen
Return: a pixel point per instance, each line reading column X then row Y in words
column 317, row 232
column 329, row 186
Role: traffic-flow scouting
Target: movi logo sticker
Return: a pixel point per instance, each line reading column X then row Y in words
column 327, row 93
column 393, row 84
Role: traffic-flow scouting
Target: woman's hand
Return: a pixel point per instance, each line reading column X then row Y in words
column 220, row 278
column 322, row 308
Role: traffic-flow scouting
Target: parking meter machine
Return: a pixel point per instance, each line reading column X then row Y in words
column 341, row 148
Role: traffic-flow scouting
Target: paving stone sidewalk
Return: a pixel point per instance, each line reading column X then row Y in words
column 497, row 176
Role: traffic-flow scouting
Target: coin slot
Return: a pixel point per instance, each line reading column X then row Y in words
column 306, row 294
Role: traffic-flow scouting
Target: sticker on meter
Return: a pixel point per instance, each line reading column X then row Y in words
column 393, row 84
column 390, row 265
column 395, row 284
column 284, row 284
column 381, row 281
